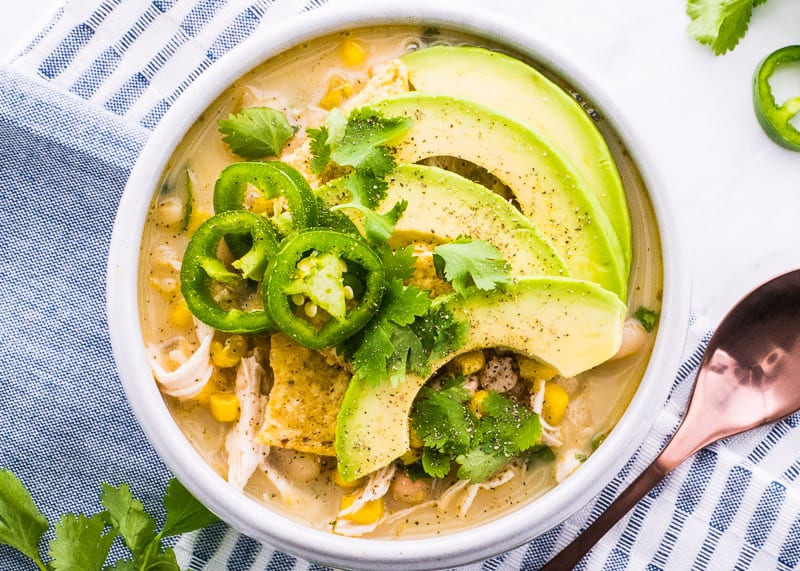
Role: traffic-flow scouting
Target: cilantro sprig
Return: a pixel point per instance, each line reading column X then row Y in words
column 359, row 142
column 83, row 542
column 720, row 24
column 464, row 261
column 479, row 444
column 256, row 132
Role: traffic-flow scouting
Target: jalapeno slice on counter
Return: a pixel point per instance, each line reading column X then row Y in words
column 273, row 180
column 776, row 119
column 201, row 267
column 309, row 273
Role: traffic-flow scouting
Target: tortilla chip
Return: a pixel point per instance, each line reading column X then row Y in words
column 305, row 399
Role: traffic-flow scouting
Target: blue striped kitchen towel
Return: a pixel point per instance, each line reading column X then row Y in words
column 76, row 105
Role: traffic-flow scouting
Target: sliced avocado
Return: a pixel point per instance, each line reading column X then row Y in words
column 568, row 324
column 443, row 206
column 521, row 91
column 546, row 188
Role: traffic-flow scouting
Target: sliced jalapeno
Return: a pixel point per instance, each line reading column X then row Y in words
column 313, row 264
column 776, row 119
column 201, row 266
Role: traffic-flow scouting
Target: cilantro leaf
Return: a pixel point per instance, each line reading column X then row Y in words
column 720, row 23
column 320, row 149
column 647, row 317
column 184, row 512
column 80, row 542
column 465, row 259
column 366, row 188
column 377, row 227
column 370, row 359
column 407, row 354
column 478, row 464
column 440, row 332
column 21, row 523
column 256, row 132
column 365, row 132
column 127, row 515
column 398, row 264
column 435, row 463
column 443, row 423
column 480, row 446
column 403, row 304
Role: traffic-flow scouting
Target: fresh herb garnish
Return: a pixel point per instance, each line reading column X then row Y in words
column 720, row 24
column 480, row 445
column 359, row 142
column 83, row 542
column 377, row 227
column 256, row 132
column 464, row 261
column 647, row 317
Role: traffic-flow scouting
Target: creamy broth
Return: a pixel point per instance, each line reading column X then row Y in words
column 295, row 82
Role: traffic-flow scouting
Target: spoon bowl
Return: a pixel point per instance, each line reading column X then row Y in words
column 749, row 376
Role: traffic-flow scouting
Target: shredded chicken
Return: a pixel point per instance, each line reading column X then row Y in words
column 551, row 435
column 194, row 371
column 489, row 484
column 386, row 80
column 376, row 488
column 498, row 375
column 245, row 453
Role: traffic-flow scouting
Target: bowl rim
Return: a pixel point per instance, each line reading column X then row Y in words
column 245, row 514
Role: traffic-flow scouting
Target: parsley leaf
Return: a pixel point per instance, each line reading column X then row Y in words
column 80, row 542
column 647, row 317
column 256, row 132
column 184, row 512
column 464, row 260
column 21, row 523
column 720, row 23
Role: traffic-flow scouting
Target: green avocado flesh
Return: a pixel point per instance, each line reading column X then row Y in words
column 569, row 324
column 443, row 206
column 521, row 91
column 545, row 187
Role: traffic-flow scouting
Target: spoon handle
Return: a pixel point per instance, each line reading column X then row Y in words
column 569, row 557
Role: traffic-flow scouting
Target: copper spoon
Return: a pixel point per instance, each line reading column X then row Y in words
column 750, row 376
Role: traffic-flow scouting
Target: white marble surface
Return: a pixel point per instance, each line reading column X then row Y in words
column 736, row 193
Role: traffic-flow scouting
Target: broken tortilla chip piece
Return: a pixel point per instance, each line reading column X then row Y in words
column 306, row 396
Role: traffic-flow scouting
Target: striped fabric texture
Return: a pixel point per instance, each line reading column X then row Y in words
column 94, row 82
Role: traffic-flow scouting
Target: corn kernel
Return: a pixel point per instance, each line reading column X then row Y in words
column 224, row 406
column 411, row 456
column 262, row 205
column 476, row 402
column 371, row 512
column 533, row 370
column 180, row 316
column 353, row 52
column 339, row 88
column 168, row 286
column 196, row 219
column 555, row 404
column 337, row 477
column 470, row 363
column 214, row 384
column 414, row 439
column 229, row 354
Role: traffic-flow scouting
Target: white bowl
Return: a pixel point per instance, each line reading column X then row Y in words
column 261, row 523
